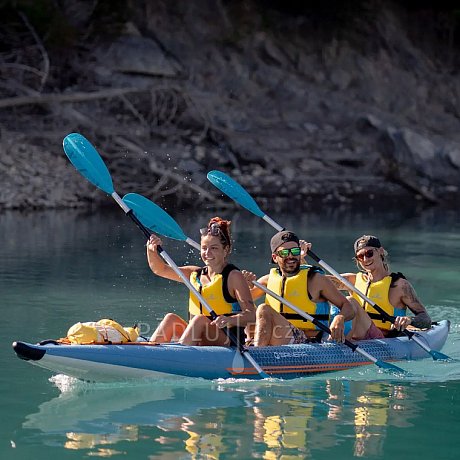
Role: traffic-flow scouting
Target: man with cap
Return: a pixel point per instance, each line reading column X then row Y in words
column 305, row 287
column 390, row 291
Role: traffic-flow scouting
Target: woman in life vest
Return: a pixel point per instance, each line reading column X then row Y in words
column 390, row 291
column 221, row 284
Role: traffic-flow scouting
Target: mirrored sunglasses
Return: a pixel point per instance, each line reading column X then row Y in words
column 285, row 252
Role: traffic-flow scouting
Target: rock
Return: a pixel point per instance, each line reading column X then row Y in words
column 452, row 152
column 262, row 95
column 133, row 55
column 422, row 149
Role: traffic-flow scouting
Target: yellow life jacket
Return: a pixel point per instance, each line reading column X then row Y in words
column 295, row 290
column 215, row 293
column 379, row 293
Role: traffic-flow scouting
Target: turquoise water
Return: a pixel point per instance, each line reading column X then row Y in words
column 58, row 268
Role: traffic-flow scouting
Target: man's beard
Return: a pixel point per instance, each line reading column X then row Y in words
column 293, row 269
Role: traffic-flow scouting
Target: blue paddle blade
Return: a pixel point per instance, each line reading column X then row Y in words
column 85, row 158
column 153, row 217
column 390, row 367
column 235, row 191
column 438, row 356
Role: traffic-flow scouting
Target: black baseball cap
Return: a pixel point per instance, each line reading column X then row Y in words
column 282, row 237
column 367, row 240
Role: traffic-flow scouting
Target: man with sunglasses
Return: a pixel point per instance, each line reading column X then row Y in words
column 305, row 287
column 390, row 291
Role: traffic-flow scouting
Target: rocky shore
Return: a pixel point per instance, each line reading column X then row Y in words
column 353, row 104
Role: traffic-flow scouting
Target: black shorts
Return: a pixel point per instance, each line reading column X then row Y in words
column 238, row 333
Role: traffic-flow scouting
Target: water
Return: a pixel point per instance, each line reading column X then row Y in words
column 58, row 268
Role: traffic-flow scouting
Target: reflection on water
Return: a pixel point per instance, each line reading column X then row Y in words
column 62, row 267
column 215, row 420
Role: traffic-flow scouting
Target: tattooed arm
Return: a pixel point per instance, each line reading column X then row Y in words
column 350, row 277
column 408, row 298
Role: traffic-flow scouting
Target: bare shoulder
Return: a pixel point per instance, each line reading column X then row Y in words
column 319, row 280
column 407, row 288
column 238, row 285
column 402, row 285
column 236, row 278
column 323, row 288
column 235, row 274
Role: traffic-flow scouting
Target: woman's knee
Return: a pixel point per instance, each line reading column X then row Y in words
column 199, row 321
column 174, row 323
column 171, row 318
column 200, row 330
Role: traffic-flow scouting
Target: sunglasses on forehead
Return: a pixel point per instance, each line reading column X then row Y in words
column 213, row 230
column 285, row 252
column 368, row 253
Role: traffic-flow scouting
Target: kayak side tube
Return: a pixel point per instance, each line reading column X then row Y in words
column 132, row 361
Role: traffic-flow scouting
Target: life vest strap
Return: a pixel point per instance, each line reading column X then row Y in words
column 378, row 316
column 210, row 317
column 296, row 316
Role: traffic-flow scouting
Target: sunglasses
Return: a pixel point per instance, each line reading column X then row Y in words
column 368, row 253
column 213, row 230
column 285, row 252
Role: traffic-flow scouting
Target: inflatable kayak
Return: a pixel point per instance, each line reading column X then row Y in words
column 148, row 360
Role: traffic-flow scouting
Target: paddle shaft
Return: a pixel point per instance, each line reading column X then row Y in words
column 237, row 193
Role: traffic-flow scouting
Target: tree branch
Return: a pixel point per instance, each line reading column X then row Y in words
column 44, row 99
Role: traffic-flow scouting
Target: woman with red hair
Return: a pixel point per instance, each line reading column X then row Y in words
column 220, row 283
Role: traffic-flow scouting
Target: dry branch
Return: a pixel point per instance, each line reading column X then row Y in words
column 46, row 60
column 44, row 99
column 157, row 169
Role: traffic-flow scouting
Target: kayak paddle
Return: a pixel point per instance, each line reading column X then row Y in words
column 91, row 166
column 89, row 163
column 159, row 221
column 156, row 219
column 237, row 193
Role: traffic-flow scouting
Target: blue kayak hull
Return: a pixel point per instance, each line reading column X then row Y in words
column 143, row 360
